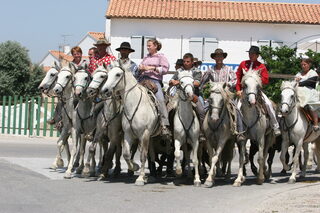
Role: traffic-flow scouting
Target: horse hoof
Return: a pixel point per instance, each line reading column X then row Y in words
column 292, row 181
column 60, row 163
column 116, row 172
column 130, row 173
column 179, row 172
column 68, row 176
column 283, row 172
column 136, row 167
column 102, row 177
column 237, row 184
column 197, row 183
column 260, row 181
column 208, row 184
column 54, row 167
column 139, row 183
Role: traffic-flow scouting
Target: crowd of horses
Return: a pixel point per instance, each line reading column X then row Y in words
column 126, row 119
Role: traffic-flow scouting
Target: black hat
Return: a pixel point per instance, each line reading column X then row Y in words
column 218, row 52
column 179, row 62
column 254, row 49
column 125, row 45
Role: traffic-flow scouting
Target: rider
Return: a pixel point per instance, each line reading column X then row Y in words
column 307, row 94
column 153, row 67
column 188, row 65
column 102, row 57
column 78, row 61
column 224, row 73
column 125, row 49
column 254, row 64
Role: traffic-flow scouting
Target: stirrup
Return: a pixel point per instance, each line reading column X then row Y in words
column 316, row 128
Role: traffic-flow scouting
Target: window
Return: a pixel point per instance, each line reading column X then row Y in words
column 270, row 43
column 201, row 48
column 139, row 44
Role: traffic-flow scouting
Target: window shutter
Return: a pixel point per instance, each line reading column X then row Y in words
column 196, row 47
column 136, row 44
column 210, row 44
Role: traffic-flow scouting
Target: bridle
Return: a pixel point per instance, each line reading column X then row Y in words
column 183, row 88
column 294, row 101
column 64, row 86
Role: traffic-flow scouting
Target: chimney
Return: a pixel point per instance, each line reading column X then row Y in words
column 66, row 49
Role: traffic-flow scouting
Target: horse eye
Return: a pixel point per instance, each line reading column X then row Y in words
column 86, row 78
column 52, row 74
column 118, row 75
column 67, row 76
column 103, row 76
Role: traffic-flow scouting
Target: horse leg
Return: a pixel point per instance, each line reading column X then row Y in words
column 253, row 150
column 145, row 140
column 58, row 161
column 272, row 152
column 261, row 161
column 305, row 159
column 311, row 154
column 284, row 153
column 67, row 148
column 242, row 151
column 295, row 160
column 82, row 151
column 126, row 152
column 317, row 154
column 117, row 169
column 177, row 154
column 195, row 162
column 75, row 139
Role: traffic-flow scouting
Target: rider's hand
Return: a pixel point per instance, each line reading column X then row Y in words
column 174, row 82
column 196, row 83
column 195, row 99
column 239, row 93
column 298, row 78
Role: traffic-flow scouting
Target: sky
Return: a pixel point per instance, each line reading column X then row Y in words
column 40, row 25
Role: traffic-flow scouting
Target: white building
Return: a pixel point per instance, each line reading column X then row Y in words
column 201, row 26
column 85, row 44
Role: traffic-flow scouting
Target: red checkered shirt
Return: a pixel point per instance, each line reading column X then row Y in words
column 97, row 60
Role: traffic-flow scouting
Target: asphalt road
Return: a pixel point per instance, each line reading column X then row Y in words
column 28, row 185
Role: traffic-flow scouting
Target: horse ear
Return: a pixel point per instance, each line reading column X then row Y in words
column 224, row 85
column 295, row 84
column 56, row 66
column 104, row 65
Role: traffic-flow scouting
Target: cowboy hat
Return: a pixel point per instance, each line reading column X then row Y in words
column 254, row 49
column 126, row 46
column 218, row 52
column 102, row 42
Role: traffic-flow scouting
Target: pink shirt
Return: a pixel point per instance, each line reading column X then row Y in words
column 157, row 60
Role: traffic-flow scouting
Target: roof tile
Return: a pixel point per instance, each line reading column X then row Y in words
column 291, row 13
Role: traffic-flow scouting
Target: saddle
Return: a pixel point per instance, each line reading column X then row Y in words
column 150, row 85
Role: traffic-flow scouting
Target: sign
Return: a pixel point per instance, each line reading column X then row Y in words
column 206, row 66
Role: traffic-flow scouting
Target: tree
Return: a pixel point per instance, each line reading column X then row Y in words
column 17, row 74
column 281, row 60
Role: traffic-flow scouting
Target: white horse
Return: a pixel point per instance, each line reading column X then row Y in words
column 46, row 87
column 186, row 126
column 108, row 123
column 217, row 127
column 85, row 118
column 255, row 119
column 63, row 89
column 296, row 129
column 140, row 118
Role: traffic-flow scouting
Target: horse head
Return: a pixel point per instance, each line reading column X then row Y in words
column 217, row 99
column 64, row 78
column 251, row 84
column 115, row 81
column 81, row 81
column 288, row 96
column 186, row 84
column 98, row 78
column 49, row 80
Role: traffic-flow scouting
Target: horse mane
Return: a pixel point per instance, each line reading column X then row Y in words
column 252, row 74
column 287, row 84
column 225, row 92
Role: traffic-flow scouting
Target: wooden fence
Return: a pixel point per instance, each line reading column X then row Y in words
column 27, row 116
